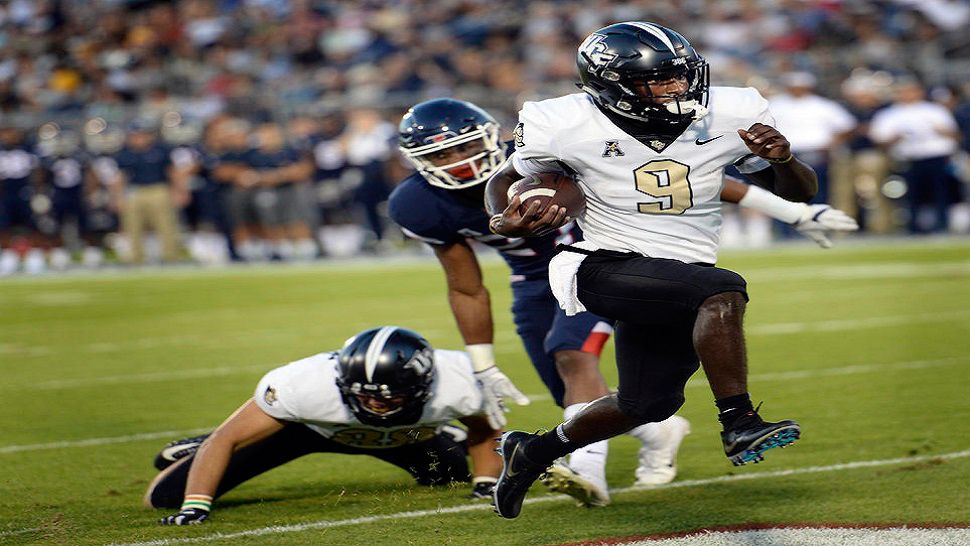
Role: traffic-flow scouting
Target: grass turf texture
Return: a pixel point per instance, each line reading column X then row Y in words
column 868, row 347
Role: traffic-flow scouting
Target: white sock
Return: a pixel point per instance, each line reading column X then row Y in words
column 9, row 262
column 305, row 249
column 647, row 433
column 284, row 249
column 590, row 461
column 251, row 251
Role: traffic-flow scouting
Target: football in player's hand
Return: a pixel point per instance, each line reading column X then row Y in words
column 549, row 189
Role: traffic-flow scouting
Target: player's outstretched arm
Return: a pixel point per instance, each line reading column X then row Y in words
column 247, row 425
column 486, row 462
column 812, row 221
column 788, row 177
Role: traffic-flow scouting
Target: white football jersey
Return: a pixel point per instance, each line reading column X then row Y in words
column 306, row 392
column 664, row 204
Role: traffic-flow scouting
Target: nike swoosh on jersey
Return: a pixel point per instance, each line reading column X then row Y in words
column 700, row 142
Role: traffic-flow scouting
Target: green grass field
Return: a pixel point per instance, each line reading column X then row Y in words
column 868, row 347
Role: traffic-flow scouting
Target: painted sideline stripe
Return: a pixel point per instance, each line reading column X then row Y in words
column 20, row 532
column 105, row 441
column 328, row 524
column 794, row 374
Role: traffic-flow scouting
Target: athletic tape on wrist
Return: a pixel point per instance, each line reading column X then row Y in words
column 760, row 199
column 482, row 356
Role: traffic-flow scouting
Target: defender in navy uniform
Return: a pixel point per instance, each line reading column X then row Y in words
column 455, row 147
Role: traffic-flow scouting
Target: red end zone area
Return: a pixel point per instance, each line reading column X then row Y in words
column 815, row 534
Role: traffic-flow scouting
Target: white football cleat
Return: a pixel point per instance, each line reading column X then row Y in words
column 658, row 460
column 587, row 492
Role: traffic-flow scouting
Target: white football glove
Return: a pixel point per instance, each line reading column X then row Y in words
column 496, row 386
column 818, row 220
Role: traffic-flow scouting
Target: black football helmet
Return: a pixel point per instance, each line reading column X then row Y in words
column 432, row 127
column 617, row 62
column 384, row 375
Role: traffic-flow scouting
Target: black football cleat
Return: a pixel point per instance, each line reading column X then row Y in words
column 750, row 436
column 518, row 474
column 179, row 449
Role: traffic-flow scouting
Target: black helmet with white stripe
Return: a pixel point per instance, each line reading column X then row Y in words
column 618, row 64
column 384, row 375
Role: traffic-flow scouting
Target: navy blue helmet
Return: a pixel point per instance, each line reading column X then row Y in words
column 617, row 63
column 452, row 143
column 384, row 375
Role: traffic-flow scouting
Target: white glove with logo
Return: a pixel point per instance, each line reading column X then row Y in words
column 496, row 386
column 818, row 220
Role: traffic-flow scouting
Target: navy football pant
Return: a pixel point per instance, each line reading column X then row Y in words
column 545, row 329
column 654, row 302
column 437, row 461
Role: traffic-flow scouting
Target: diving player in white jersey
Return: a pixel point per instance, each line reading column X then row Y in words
column 387, row 394
column 648, row 142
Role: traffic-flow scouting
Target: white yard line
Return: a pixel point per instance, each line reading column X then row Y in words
column 20, row 532
column 773, row 376
column 329, row 524
column 168, row 434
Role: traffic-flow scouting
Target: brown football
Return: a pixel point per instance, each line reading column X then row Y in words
column 550, row 189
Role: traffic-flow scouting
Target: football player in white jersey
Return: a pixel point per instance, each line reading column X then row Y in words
column 648, row 141
column 387, row 394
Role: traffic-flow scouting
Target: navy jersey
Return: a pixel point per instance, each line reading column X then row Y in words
column 284, row 157
column 17, row 164
column 145, row 167
column 66, row 172
column 439, row 217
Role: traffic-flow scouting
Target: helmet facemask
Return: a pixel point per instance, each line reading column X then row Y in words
column 477, row 150
column 636, row 100
column 385, row 376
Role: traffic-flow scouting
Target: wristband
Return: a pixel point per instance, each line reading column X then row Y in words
column 197, row 502
column 762, row 200
column 780, row 161
column 482, row 356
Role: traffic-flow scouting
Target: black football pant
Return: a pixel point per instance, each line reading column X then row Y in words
column 654, row 302
column 439, row 460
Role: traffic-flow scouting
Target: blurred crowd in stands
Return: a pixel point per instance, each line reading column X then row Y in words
column 265, row 129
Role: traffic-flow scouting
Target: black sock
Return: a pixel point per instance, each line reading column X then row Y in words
column 549, row 446
column 732, row 407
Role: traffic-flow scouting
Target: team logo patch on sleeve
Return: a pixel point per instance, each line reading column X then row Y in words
column 269, row 396
column 519, row 135
column 612, row 149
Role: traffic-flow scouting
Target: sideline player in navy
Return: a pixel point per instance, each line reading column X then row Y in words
column 387, row 393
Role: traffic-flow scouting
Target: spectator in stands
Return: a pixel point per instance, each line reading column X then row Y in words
column 18, row 184
column 368, row 143
column 863, row 169
column 922, row 135
column 147, row 192
column 815, row 126
column 278, row 169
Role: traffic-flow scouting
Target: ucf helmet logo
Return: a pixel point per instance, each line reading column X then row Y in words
column 595, row 49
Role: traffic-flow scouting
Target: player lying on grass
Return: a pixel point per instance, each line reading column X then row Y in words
column 386, row 394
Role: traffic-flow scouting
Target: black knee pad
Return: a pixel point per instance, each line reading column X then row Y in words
column 652, row 411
